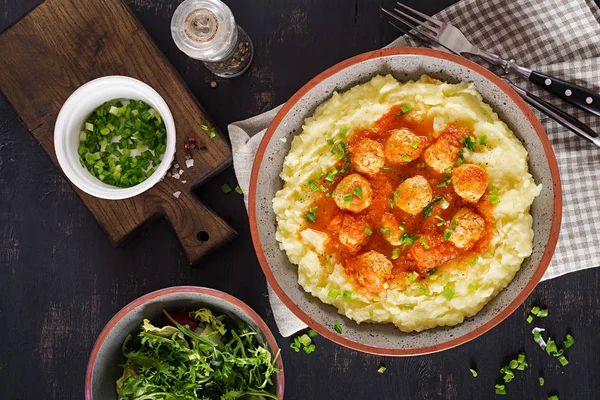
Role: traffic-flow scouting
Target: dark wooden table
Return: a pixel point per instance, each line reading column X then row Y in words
column 61, row 281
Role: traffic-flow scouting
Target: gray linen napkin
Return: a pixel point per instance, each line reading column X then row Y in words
column 554, row 36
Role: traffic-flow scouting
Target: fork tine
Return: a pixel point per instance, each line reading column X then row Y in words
column 423, row 37
column 409, row 33
column 405, row 15
column 420, row 14
column 405, row 22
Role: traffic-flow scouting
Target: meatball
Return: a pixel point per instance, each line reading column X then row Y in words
column 413, row 194
column 372, row 270
column 469, row 228
column 403, row 146
column 441, row 155
column 391, row 227
column 353, row 193
column 429, row 258
column 368, row 157
column 352, row 233
column 469, row 181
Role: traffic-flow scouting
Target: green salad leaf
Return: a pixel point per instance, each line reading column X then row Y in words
column 217, row 359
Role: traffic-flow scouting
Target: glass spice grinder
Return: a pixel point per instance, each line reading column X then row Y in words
column 205, row 30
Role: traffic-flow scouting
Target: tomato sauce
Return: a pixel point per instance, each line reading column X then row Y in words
column 383, row 184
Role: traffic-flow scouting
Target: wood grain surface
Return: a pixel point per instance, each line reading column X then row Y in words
column 63, row 44
column 61, row 281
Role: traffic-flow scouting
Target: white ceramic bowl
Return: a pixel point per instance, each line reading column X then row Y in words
column 72, row 116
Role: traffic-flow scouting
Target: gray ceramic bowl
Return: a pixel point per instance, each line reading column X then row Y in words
column 404, row 64
column 103, row 366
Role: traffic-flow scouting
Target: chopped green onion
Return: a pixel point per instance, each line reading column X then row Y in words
column 431, row 271
column 513, row 364
column 226, row 188
column 551, row 346
column 469, row 142
column 406, row 158
column 385, row 231
column 494, row 196
column 569, row 341
column 313, row 185
column 391, row 201
column 415, row 145
column 447, row 234
column 474, row 261
column 440, row 219
column 330, row 141
column 358, row 192
column 334, row 294
column 426, row 245
column 448, row 293
column 304, row 339
column 453, row 224
column 482, row 140
column 320, row 175
column 395, row 253
column 402, row 225
column 89, row 126
column 405, row 108
column 296, row 345
column 473, row 372
column 410, row 278
column 368, row 231
column 239, row 190
column 408, row 305
column 408, row 239
column 330, row 176
column 310, row 348
column 347, row 198
column 312, row 333
column 376, row 297
column 311, row 215
column 541, row 381
column 563, row 360
column 500, row 389
column 535, row 310
column 553, row 397
column 473, row 287
column 204, row 127
column 542, row 313
column 337, row 327
column 448, row 170
column 323, row 189
column 381, row 369
column 348, row 295
column 529, row 319
column 342, row 132
column 212, row 133
column 428, row 210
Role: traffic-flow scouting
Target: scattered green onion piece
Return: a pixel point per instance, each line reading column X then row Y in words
column 395, row 253
column 529, row 319
column 337, row 327
column 408, row 305
column 402, row 225
column 368, row 231
column 296, row 345
column 474, row 261
column 562, row 360
column 313, row 185
column 428, row 210
column 426, row 245
column 342, row 132
column 444, row 204
column 431, row 271
column 358, row 192
column 541, row 380
column 447, row 234
column 330, row 176
column 204, row 128
column 448, row 170
column 304, row 339
column 239, row 190
column 406, row 158
column 551, row 346
column 347, row 198
column 448, row 293
column 312, row 333
column 311, row 215
column 513, row 364
column 543, row 313
column 385, row 231
column 473, row 372
column 334, row 294
column 535, row 310
column 391, row 201
column 569, row 341
column 410, row 278
column 348, row 295
column 310, row 348
column 415, row 145
column 473, row 287
column 330, row 142
column 500, row 389
column 482, row 140
column 453, row 224
column 212, row 133
column 553, row 397
column 381, row 369
column 226, row 188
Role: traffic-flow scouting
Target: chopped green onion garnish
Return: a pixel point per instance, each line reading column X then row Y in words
column 513, row 364
column 553, row 397
column 368, row 231
column 408, row 239
column 447, row 234
column 212, row 133
column 415, row 145
column 391, row 201
column 381, row 369
column 402, row 225
column 320, row 175
column 311, row 215
column 541, row 381
column 342, row 132
column 448, row 293
column 535, row 310
column 426, row 245
column 358, row 192
column 473, row 372
column 226, row 188
column 543, row 313
column 410, row 278
column 473, row 261
column 310, row 348
column 337, row 327
column 500, row 389
column 431, row 271
column 469, row 142
column 405, row 108
column 494, row 196
column 482, row 140
column 296, row 345
column 334, row 294
column 330, row 176
column 448, row 170
column 347, row 198
column 473, row 287
column 385, row 231
column 330, row 141
column 406, row 158
column 348, row 295
column 312, row 333
column 395, row 253
column 239, row 190
column 408, row 305
column 428, row 210
column 563, row 360
column 313, row 185
column 569, row 341
column 551, row 346
column 529, row 319
column 204, row 127
column 453, row 224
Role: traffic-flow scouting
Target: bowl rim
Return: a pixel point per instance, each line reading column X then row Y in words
column 183, row 289
column 61, row 136
column 525, row 292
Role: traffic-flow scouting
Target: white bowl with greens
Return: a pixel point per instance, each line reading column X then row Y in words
column 185, row 342
column 115, row 137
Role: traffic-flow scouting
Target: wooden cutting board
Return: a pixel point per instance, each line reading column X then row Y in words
column 63, row 44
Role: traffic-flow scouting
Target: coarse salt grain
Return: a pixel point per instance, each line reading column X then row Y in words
column 283, row 139
column 184, row 182
column 176, row 176
column 189, row 163
column 180, row 172
column 177, row 194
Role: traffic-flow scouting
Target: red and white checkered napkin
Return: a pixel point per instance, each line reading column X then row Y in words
column 554, row 36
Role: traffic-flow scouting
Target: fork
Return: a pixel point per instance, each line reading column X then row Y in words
column 566, row 120
column 452, row 38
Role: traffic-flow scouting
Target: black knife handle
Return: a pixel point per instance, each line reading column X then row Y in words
column 569, row 92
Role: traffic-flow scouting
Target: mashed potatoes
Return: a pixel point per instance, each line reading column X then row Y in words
column 462, row 287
